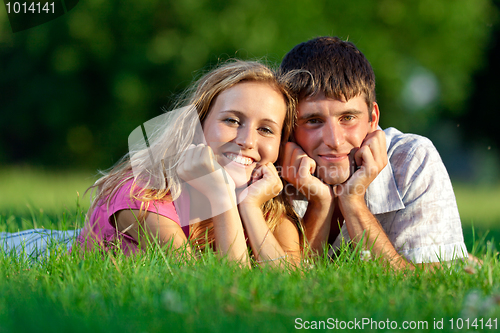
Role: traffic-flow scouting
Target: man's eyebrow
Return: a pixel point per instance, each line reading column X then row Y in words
column 351, row 111
column 242, row 115
column 310, row 115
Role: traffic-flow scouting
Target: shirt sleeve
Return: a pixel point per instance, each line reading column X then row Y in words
column 123, row 201
column 428, row 228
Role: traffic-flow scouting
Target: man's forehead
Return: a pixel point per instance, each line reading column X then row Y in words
column 329, row 94
column 321, row 103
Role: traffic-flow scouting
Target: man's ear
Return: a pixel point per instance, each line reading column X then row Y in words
column 375, row 117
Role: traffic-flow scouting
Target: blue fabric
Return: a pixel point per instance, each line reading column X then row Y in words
column 34, row 242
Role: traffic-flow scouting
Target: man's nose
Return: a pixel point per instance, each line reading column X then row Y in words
column 333, row 135
column 246, row 138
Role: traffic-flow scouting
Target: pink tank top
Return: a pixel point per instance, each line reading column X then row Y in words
column 100, row 229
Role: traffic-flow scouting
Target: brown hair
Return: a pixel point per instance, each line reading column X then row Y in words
column 332, row 66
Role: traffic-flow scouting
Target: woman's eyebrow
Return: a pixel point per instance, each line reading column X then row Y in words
column 321, row 115
column 243, row 115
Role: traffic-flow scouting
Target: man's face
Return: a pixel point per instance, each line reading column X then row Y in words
column 329, row 129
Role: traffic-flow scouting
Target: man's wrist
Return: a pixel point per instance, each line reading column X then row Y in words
column 351, row 206
column 318, row 203
column 352, row 200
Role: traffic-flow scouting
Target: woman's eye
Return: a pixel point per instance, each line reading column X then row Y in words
column 231, row 121
column 266, row 130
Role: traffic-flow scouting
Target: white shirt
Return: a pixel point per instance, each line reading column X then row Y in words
column 413, row 200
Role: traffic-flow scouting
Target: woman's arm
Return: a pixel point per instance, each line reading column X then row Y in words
column 199, row 168
column 271, row 248
column 159, row 230
column 229, row 236
column 154, row 229
column 287, row 235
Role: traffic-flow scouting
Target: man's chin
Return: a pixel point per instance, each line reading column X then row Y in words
column 335, row 182
column 334, row 178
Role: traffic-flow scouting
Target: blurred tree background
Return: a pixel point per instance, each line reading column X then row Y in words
column 72, row 90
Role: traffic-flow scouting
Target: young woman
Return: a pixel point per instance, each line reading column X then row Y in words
column 188, row 186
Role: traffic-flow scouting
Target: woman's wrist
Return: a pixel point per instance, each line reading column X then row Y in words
column 248, row 209
column 222, row 200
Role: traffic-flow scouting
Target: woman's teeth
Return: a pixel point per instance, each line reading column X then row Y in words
column 239, row 159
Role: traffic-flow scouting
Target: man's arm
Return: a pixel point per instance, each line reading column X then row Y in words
column 428, row 228
column 363, row 227
column 361, row 224
column 298, row 169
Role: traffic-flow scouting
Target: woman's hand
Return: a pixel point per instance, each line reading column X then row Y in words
column 199, row 168
column 265, row 184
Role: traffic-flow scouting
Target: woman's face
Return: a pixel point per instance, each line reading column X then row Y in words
column 243, row 128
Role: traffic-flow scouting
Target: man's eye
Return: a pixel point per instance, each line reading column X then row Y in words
column 348, row 118
column 313, row 121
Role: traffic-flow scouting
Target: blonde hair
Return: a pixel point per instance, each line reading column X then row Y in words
column 154, row 169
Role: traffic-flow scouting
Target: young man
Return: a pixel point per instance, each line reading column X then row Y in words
column 386, row 189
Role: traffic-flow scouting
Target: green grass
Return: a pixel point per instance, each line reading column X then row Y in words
column 152, row 292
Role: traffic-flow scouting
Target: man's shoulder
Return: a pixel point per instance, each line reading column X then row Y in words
column 413, row 157
column 402, row 148
column 399, row 140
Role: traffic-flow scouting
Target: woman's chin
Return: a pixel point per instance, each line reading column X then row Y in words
column 241, row 178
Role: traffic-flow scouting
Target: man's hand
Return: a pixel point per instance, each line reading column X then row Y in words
column 360, row 222
column 298, row 170
column 371, row 158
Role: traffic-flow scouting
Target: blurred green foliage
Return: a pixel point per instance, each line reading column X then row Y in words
column 73, row 89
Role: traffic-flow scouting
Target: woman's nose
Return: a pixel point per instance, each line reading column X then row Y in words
column 246, row 138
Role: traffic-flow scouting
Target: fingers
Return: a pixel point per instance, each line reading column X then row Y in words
column 266, row 184
column 290, row 162
column 296, row 164
column 306, row 167
column 197, row 161
column 267, row 172
column 376, row 142
column 364, row 157
column 371, row 158
column 373, row 151
column 257, row 174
